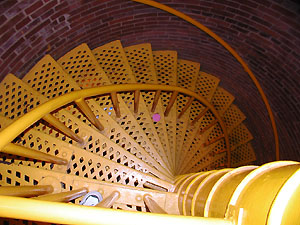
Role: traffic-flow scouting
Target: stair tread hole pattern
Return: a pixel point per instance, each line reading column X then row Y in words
column 165, row 63
column 15, row 100
column 239, row 135
column 37, row 141
column 112, row 59
column 127, row 207
column 97, row 143
column 206, row 154
column 143, row 118
column 48, row 78
column 83, row 67
column 206, row 85
column 232, row 117
column 242, row 155
column 126, row 122
column 187, row 72
column 221, row 100
column 141, row 63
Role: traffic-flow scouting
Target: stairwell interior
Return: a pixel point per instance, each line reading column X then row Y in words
column 148, row 130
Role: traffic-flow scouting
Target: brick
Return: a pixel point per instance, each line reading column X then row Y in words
column 44, row 9
column 33, row 7
column 23, row 23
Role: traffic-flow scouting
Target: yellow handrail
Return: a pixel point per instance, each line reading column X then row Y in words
column 9, row 133
column 231, row 50
column 64, row 213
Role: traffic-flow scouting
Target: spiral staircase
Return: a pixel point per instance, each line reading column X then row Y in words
column 148, row 131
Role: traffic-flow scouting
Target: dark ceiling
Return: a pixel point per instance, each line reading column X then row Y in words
column 264, row 33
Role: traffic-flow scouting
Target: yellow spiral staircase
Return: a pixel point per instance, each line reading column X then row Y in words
column 148, row 131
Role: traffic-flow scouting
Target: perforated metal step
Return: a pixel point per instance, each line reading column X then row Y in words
column 165, row 63
column 92, row 138
column 47, row 69
column 187, row 72
column 112, row 58
column 140, row 59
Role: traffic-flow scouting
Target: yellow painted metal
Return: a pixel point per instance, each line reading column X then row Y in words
column 239, row 135
column 198, row 153
column 25, row 191
column 206, row 85
column 165, row 63
column 89, row 113
column 220, row 194
column 14, row 149
column 152, row 205
column 242, row 155
column 199, row 117
column 222, row 100
column 63, row 213
column 187, row 72
column 141, row 62
column 130, row 194
column 285, row 207
column 9, row 133
column 232, row 117
column 113, row 61
column 63, row 196
column 110, row 200
column 203, row 190
column 190, row 191
column 232, row 51
column 61, row 127
column 182, row 189
column 253, row 198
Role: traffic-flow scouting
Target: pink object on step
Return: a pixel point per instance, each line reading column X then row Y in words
column 156, row 117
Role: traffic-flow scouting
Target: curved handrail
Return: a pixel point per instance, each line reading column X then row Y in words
column 9, row 133
column 231, row 50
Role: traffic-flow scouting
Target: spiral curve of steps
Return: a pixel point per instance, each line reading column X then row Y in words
column 125, row 145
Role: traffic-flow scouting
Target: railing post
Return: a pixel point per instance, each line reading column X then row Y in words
column 152, row 205
column 63, row 196
column 191, row 99
column 81, row 103
column 26, row 191
column 136, row 100
column 14, row 149
column 61, row 127
column 110, row 200
column 115, row 102
column 171, row 102
column 156, row 99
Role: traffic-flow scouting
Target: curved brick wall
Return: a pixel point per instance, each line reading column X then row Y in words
column 265, row 33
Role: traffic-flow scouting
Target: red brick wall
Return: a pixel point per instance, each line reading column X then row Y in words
column 265, row 34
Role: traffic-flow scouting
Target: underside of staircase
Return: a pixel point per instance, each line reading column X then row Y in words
column 157, row 138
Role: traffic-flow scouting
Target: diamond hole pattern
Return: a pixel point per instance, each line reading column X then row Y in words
column 242, row 155
column 48, row 78
column 187, row 72
column 221, row 100
column 141, row 63
column 16, row 98
column 81, row 64
column 206, row 85
column 140, row 59
column 165, row 63
column 112, row 59
column 114, row 62
column 233, row 117
column 239, row 135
